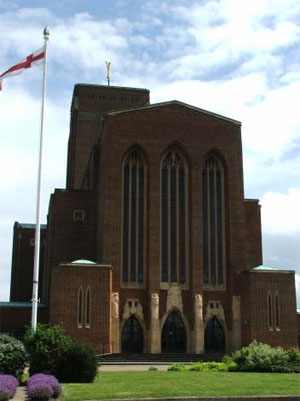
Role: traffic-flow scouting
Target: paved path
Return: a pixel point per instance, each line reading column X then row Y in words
column 115, row 368
column 20, row 394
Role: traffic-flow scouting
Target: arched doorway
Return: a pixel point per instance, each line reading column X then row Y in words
column 214, row 337
column 132, row 336
column 173, row 336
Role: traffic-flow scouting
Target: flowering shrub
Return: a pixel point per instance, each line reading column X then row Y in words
column 41, row 387
column 12, row 356
column 39, row 391
column 8, row 386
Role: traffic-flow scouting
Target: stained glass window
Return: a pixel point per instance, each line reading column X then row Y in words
column 173, row 218
column 133, row 218
column 213, row 218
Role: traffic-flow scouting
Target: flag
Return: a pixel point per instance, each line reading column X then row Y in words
column 32, row 60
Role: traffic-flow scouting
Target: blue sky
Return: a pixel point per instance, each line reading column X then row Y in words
column 239, row 59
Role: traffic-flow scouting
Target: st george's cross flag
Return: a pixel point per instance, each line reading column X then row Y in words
column 32, row 60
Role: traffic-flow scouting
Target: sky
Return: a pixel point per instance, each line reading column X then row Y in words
column 235, row 58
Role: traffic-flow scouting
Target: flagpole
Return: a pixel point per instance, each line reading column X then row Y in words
column 35, row 286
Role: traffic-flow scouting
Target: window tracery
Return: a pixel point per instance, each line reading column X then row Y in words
column 133, row 218
column 173, row 218
column 213, row 211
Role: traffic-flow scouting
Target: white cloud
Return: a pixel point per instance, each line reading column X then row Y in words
column 230, row 57
column 281, row 212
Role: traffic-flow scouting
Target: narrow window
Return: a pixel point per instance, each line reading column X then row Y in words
column 213, row 220
column 270, row 320
column 133, row 219
column 78, row 216
column 277, row 311
column 80, row 308
column 88, row 308
column 173, row 218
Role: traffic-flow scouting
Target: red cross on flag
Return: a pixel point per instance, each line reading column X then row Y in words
column 32, row 60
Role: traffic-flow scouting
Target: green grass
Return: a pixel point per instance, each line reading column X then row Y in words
column 159, row 384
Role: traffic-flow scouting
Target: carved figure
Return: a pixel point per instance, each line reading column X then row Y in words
column 174, row 298
column 115, row 305
column 198, row 306
column 154, row 306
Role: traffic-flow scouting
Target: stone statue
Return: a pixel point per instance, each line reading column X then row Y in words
column 154, row 306
column 198, row 306
column 115, row 305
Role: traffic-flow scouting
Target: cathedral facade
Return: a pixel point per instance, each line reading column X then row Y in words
column 152, row 246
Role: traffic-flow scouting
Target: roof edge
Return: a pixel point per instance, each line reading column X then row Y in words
column 177, row 102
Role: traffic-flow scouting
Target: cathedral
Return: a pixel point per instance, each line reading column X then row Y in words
column 152, row 247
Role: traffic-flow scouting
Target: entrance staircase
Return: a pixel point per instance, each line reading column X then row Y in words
column 155, row 359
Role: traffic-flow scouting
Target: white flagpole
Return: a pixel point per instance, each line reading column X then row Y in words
column 35, row 287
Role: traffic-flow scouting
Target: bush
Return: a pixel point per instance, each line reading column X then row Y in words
column 12, row 356
column 8, row 387
column 49, row 380
column 79, row 364
column 259, row 357
column 39, row 391
column 46, row 347
column 177, row 367
column 209, row 367
column 152, row 368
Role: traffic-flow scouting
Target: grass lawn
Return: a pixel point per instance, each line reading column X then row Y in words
column 157, row 384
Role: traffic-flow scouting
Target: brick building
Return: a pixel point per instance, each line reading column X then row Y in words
column 152, row 247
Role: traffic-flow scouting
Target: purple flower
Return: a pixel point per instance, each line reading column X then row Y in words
column 39, row 380
column 39, row 391
column 4, row 395
column 8, row 386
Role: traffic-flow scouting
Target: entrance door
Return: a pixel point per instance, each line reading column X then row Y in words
column 173, row 337
column 214, row 337
column 132, row 336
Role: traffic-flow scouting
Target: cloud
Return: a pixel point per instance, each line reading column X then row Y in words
column 281, row 212
column 239, row 60
column 19, row 153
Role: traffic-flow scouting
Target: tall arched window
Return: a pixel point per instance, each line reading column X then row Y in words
column 173, row 218
column 213, row 210
column 270, row 317
column 88, row 308
column 277, row 311
column 133, row 218
column 80, row 308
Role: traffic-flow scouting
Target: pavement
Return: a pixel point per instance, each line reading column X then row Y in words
column 20, row 394
column 116, row 367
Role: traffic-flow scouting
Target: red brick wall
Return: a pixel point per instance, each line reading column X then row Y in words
column 255, row 311
column 14, row 318
column 68, row 240
column 154, row 130
column 22, row 262
column 89, row 102
column 63, row 305
column 253, row 233
column 298, row 325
